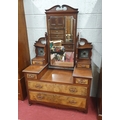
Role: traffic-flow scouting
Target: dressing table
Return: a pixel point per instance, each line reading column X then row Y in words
column 60, row 74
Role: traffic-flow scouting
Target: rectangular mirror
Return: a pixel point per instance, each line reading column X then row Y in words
column 61, row 29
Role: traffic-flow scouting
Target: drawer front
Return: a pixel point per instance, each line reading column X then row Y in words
column 57, row 31
column 37, row 62
column 53, row 87
column 83, row 66
column 58, row 99
column 31, row 76
column 81, row 81
column 57, row 37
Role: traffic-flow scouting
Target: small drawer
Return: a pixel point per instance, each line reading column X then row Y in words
column 57, row 31
column 81, row 81
column 38, row 62
column 83, row 66
column 31, row 76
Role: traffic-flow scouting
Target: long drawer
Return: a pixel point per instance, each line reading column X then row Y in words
column 60, row 88
column 58, row 99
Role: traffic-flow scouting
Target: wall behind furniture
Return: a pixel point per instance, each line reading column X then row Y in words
column 89, row 27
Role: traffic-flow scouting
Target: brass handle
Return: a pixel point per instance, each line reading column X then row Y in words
column 31, row 76
column 72, row 102
column 73, row 90
column 40, row 97
column 38, row 86
column 81, row 81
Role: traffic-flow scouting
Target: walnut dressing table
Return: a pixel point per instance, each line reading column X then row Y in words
column 58, row 80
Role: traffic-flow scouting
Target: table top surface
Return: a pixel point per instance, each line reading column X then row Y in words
column 82, row 72
column 34, row 68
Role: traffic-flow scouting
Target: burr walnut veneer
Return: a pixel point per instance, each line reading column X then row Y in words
column 59, row 81
column 58, row 88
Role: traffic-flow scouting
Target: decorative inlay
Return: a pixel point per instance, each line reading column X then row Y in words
column 81, row 81
column 33, row 76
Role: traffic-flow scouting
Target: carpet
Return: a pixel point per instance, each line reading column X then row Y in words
column 40, row 112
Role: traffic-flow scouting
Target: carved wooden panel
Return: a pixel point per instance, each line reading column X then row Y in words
column 58, row 99
column 53, row 87
column 81, row 80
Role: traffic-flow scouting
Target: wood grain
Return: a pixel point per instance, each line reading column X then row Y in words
column 58, row 99
column 59, row 88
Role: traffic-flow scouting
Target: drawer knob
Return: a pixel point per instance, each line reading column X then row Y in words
column 38, row 86
column 73, row 90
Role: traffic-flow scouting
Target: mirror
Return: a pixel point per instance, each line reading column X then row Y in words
column 69, row 28
column 61, row 41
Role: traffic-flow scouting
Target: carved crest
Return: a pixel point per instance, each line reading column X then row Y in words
column 63, row 8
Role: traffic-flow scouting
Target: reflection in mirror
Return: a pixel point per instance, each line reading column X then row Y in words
column 61, row 41
column 58, row 56
column 69, row 28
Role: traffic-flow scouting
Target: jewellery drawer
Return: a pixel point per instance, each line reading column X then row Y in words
column 57, row 31
column 31, row 76
column 58, row 99
column 81, row 81
column 58, row 88
column 38, row 62
column 83, row 66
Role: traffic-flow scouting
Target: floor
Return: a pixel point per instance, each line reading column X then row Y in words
column 40, row 112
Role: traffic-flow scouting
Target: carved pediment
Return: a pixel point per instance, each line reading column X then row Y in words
column 63, row 8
